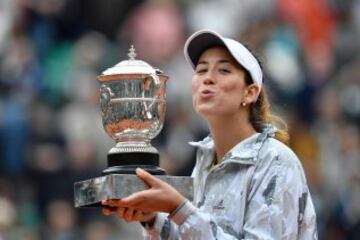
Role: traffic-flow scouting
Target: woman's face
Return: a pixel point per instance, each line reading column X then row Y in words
column 218, row 84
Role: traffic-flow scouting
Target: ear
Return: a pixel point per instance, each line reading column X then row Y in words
column 251, row 93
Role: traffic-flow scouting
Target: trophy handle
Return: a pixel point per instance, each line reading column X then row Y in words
column 106, row 96
column 156, row 79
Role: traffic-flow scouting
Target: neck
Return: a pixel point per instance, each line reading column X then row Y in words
column 227, row 132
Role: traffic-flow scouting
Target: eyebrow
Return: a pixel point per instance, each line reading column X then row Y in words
column 220, row 61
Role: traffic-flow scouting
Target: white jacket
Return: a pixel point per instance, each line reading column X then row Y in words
column 258, row 191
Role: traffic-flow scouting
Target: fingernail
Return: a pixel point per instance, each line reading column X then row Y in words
column 106, row 212
column 139, row 170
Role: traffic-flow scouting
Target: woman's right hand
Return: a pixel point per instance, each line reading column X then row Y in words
column 128, row 214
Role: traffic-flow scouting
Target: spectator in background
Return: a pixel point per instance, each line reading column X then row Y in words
column 61, row 222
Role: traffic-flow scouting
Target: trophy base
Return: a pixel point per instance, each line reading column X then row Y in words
column 91, row 192
column 119, row 179
column 127, row 162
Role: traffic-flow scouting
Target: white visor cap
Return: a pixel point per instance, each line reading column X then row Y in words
column 201, row 40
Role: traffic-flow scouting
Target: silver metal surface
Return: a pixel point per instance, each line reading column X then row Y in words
column 133, row 66
column 132, row 100
column 115, row 186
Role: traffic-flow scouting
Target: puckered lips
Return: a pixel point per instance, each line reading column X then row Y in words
column 207, row 93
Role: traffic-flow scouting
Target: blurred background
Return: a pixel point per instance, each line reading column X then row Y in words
column 51, row 133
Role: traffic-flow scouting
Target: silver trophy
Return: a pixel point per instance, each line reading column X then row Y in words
column 132, row 100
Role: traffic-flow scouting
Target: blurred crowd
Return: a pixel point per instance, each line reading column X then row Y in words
column 51, row 135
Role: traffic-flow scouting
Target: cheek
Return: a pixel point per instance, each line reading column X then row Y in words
column 232, row 89
column 195, row 84
column 231, row 86
column 232, row 93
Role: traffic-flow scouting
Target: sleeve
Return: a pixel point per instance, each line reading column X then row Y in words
column 163, row 229
column 279, row 203
column 188, row 223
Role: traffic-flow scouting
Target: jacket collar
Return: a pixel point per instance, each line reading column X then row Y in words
column 245, row 151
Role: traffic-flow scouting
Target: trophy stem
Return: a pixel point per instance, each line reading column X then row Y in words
column 126, row 163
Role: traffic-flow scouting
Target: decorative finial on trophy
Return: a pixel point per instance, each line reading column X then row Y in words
column 132, row 54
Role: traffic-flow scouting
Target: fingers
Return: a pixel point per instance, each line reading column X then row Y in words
column 131, row 201
column 129, row 214
column 109, row 207
column 120, row 212
column 138, row 216
column 106, row 211
column 147, row 178
column 116, row 206
column 111, row 202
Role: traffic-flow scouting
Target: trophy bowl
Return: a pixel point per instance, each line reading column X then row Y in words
column 132, row 109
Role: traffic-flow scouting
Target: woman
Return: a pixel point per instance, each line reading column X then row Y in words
column 248, row 183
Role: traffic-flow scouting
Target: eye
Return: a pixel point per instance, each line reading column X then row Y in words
column 224, row 70
column 201, row 70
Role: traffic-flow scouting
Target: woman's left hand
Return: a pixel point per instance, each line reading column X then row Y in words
column 160, row 197
column 129, row 214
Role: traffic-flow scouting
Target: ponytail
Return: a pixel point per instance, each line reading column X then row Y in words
column 260, row 115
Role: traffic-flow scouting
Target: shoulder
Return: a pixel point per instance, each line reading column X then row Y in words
column 270, row 149
column 276, row 149
column 280, row 159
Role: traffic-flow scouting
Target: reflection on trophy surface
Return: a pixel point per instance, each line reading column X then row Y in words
column 132, row 101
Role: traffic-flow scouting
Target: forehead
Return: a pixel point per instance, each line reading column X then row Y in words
column 217, row 53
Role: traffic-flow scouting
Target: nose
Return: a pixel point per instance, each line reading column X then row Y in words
column 209, row 78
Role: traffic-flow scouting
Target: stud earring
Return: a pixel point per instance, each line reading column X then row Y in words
column 243, row 104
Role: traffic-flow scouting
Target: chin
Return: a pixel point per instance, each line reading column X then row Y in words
column 207, row 111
